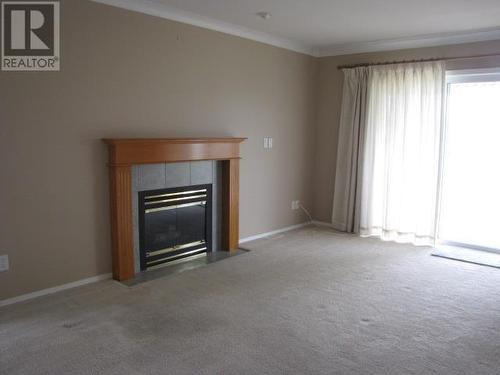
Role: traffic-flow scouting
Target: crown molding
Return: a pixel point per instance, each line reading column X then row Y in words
column 174, row 14
column 431, row 40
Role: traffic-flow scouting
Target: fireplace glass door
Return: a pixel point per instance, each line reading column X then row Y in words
column 174, row 224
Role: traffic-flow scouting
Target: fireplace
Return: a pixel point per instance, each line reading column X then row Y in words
column 174, row 224
column 124, row 153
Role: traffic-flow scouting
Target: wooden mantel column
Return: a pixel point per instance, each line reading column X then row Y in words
column 122, row 242
column 123, row 153
column 231, row 204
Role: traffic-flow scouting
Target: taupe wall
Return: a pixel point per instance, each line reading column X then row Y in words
column 125, row 74
column 329, row 102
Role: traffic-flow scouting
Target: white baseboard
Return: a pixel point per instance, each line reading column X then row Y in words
column 74, row 284
column 322, row 223
column 272, row 233
column 59, row 288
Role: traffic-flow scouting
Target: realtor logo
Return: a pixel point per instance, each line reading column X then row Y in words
column 30, row 35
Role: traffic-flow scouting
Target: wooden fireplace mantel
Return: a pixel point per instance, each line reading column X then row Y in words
column 123, row 153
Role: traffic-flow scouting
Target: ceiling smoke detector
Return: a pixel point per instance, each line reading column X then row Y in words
column 264, row 15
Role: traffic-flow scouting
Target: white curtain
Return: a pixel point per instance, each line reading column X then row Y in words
column 346, row 200
column 399, row 174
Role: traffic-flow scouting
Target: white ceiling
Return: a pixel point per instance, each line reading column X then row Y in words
column 335, row 27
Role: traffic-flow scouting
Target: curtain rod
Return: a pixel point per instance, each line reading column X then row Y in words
column 416, row 61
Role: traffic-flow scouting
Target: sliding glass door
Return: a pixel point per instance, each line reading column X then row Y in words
column 469, row 211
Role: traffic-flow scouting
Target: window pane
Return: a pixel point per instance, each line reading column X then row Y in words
column 470, row 199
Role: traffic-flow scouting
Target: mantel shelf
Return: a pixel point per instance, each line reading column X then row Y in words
column 116, row 141
column 127, row 151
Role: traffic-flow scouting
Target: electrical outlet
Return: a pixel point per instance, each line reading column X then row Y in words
column 4, row 263
column 295, row 205
column 268, row 142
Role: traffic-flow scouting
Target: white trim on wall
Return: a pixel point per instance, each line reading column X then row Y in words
column 55, row 289
column 274, row 232
column 431, row 40
column 107, row 276
column 322, row 224
column 420, row 41
column 174, row 14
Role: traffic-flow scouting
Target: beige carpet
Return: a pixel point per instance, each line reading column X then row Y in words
column 308, row 302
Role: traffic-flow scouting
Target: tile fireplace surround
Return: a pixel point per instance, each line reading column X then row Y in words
column 124, row 153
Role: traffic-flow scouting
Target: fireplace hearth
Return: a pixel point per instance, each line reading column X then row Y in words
column 174, row 224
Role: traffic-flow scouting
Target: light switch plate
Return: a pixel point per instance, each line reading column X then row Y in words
column 266, row 142
column 270, row 142
column 4, row 263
